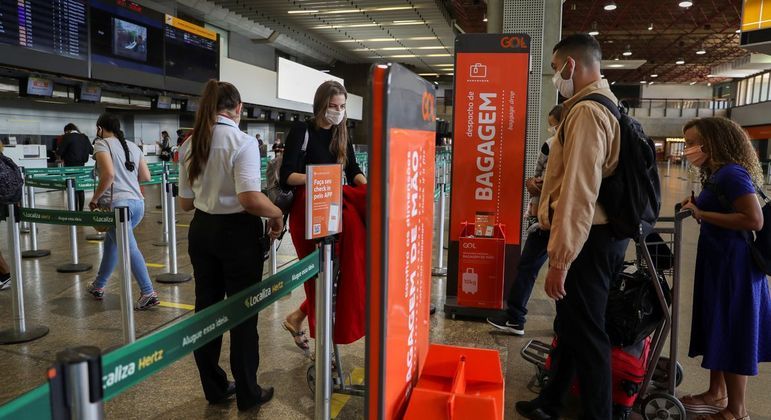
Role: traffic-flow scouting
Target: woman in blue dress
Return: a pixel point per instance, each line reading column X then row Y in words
column 731, row 326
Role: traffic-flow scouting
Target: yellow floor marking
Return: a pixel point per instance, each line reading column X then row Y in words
column 95, row 242
column 181, row 225
column 176, row 305
column 339, row 400
column 154, row 265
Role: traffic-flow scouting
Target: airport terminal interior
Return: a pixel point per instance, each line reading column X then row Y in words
column 146, row 62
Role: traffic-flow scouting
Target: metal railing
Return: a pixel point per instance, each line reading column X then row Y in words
column 676, row 108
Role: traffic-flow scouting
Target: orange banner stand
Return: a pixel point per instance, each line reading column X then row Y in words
column 481, row 267
column 488, row 151
column 458, row 383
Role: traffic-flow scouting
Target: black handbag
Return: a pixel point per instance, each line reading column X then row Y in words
column 634, row 310
column 283, row 197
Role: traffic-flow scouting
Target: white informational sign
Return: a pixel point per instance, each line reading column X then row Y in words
column 299, row 83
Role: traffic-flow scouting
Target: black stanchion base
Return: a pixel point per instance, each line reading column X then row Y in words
column 73, row 268
column 160, row 243
column 35, row 253
column 173, row 278
column 95, row 237
column 14, row 337
column 439, row 272
column 158, row 206
column 24, row 230
column 453, row 310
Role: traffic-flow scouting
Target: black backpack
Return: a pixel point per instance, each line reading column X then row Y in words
column 634, row 311
column 11, row 181
column 631, row 196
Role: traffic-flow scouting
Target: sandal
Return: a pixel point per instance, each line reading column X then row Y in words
column 299, row 338
column 724, row 414
column 697, row 404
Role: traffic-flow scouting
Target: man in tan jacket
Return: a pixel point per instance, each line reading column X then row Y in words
column 583, row 254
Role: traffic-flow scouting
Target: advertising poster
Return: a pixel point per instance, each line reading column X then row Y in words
column 490, row 126
column 324, row 201
column 400, row 235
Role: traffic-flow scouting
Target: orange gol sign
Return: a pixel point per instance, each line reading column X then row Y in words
column 324, row 201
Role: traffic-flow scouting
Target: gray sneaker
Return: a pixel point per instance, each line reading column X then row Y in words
column 147, row 301
column 96, row 292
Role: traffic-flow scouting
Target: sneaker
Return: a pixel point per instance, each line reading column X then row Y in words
column 96, row 292
column 147, row 301
column 5, row 281
column 504, row 323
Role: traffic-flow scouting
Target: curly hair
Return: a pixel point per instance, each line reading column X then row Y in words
column 724, row 141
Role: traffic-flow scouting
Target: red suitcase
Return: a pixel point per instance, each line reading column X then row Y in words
column 629, row 366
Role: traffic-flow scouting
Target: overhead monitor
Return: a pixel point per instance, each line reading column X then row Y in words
column 36, row 86
column 89, row 93
column 126, row 43
column 162, row 102
column 45, row 35
column 192, row 55
column 298, row 83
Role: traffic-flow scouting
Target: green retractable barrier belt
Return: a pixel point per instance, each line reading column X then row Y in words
column 132, row 364
column 69, row 218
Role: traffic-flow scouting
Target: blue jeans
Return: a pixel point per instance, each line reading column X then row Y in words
column 136, row 210
column 532, row 259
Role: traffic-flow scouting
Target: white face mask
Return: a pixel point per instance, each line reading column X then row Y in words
column 564, row 86
column 334, row 117
column 553, row 130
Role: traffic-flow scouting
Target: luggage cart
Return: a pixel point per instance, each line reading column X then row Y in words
column 342, row 383
column 656, row 398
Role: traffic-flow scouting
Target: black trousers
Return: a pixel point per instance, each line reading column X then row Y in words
column 80, row 199
column 226, row 254
column 583, row 347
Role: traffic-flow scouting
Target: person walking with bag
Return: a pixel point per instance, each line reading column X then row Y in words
column 731, row 324
column 219, row 178
column 324, row 140
column 74, row 150
column 121, row 168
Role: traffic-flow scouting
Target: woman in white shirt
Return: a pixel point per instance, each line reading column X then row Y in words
column 121, row 168
column 219, row 178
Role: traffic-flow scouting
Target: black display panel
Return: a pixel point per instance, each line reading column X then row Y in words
column 129, row 37
column 192, row 55
column 31, row 31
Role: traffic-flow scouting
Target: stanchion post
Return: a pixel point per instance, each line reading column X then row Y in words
column 172, row 276
column 124, row 264
column 440, row 270
column 323, row 391
column 164, row 240
column 75, row 382
column 273, row 260
column 75, row 266
column 34, row 252
column 24, row 201
column 20, row 332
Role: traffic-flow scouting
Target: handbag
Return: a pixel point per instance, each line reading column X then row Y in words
column 283, row 197
column 103, row 206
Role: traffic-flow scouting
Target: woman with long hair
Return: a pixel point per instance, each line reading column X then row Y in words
column 219, row 178
column 731, row 326
column 322, row 140
column 121, row 168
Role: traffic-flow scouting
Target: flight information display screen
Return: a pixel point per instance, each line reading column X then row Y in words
column 127, row 35
column 192, row 52
column 50, row 26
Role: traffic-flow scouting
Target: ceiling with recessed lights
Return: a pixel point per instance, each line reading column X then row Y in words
column 415, row 32
column 663, row 33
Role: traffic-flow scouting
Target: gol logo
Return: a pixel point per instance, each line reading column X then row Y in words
column 469, row 245
column 513, row 42
column 427, row 107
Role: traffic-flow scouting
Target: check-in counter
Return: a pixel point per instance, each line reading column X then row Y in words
column 28, row 155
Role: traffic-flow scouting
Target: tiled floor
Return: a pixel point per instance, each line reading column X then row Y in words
column 59, row 301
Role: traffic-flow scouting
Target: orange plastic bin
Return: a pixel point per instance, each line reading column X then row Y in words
column 458, row 383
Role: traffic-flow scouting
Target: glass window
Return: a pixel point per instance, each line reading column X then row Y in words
column 742, row 90
column 756, row 82
column 764, row 88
